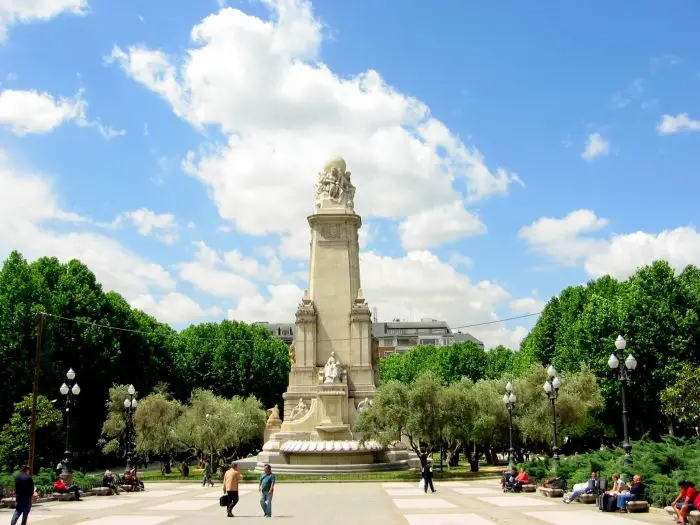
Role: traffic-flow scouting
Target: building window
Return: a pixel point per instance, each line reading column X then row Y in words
column 433, row 342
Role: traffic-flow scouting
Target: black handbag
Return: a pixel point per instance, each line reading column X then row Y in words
column 223, row 500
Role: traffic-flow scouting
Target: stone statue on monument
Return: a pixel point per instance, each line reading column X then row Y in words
column 299, row 410
column 364, row 405
column 274, row 415
column 333, row 370
column 292, row 355
column 334, row 184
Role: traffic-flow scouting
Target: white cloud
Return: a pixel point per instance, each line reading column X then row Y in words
column 278, row 307
column 623, row 254
column 25, row 11
column 161, row 225
column 285, row 113
column 174, row 308
column 435, row 226
column 30, row 207
column 526, row 305
column 678, row 124
column 596, row 146
column 631, row 93
column 562, row 238
column 31, row 112
column 458, row 259
column 565, row 241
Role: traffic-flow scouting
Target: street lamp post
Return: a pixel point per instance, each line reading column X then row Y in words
column 551, row 387
column 130, row 404
column 69, row 391
column 623, row 373
column 509, row 400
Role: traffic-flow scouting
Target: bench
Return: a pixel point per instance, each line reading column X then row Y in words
column 694, row 517
column 8, row 502
column 551, row 493
column 102, row 491
column 587, row 498
column 637, row 506
column 128, row 488
column 63, row 496
column 529, row 488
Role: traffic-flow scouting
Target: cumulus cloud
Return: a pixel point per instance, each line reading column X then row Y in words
column 438, row 225
column 284, row 113
column 149, row 223
column 596, row 146
column 527, row 305
column 568, row 240
column 29, row 210
column 565, row 239
column 681, row 123
column 25, row 11
column 175, row 308
column 27, row 112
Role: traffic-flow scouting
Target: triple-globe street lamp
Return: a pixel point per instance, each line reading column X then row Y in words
column 551, row 387
column 130, row 404
column 69, row 390
column 623, row 373
column 509, row 400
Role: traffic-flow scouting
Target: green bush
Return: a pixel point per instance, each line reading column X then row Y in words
column 660, row 463
column 45, row 479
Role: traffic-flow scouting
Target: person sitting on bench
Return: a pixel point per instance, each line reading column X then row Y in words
column 636, row 493
column 60, row 487
column 591, row 487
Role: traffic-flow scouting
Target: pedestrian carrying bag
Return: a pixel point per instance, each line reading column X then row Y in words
column 421, row 485
column 223, row 500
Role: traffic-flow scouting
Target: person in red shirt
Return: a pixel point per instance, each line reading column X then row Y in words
column 520, row 480
column 61, row 487
column 689, row 502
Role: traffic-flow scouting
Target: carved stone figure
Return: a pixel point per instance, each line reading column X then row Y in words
column 292, row 354
column 299, row 410
column 333, row 370
column 364, row 405
column 334, row 184
column 274, row 415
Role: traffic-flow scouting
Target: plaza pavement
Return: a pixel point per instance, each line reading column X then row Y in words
column 474, row 503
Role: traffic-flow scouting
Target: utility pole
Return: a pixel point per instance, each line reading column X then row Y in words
column 35, row 392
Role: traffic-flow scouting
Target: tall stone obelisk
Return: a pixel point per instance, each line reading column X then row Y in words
column 332, row 377
column 333, row 318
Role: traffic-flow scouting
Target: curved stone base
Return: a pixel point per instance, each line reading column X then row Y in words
column 332, row 468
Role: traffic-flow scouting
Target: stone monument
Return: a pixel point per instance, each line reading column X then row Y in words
column 333, row 358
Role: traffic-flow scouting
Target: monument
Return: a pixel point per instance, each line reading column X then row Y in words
column 333, row 359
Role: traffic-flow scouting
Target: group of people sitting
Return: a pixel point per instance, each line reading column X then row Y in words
column 688, row 500
column 512, row 481
column 613, row 500
column 129, row 479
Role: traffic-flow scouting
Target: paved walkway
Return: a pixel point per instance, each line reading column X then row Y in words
column 455, row 503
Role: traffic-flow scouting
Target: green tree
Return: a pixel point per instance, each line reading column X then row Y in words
column 499, row 360
column 680, row 400
column 14, row 437
column 154, row 424
column 231, row 359
column 114, row 429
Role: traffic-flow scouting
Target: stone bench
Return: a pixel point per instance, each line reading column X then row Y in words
column 8, row 502
column 637, row 506
column 694, row 517
column 102, row 491
column 62, row 496
column 529, row 488
column 587, row 498
column 128, row 488
column 551, row 493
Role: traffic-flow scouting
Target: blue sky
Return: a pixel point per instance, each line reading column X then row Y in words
column 500, row 152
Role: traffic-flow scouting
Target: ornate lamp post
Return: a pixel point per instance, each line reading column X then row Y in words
column 624, row 376
column 69, row 391
column 130, row 404
column 509, row 400
column 551, row 387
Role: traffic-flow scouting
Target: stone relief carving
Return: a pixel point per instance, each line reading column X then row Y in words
column 334, row 184
column 333, row 370
column 364, row 405
column 292, row 355
column 299, row 410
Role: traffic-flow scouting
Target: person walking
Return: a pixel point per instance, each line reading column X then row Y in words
column 231, row 479
column 428, row 475
column 266, row 488
column 24, row 492
column 207, row 474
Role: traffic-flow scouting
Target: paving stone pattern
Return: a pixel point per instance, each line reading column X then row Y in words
column 455, row 503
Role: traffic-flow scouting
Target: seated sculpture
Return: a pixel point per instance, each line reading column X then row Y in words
column 333, row 370
column 364, row 405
